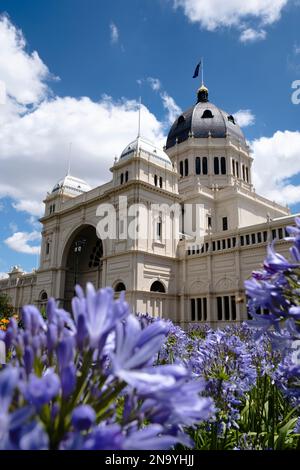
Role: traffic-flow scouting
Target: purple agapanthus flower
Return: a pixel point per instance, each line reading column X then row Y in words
column 83, row 417
column 100, row 312
column 41, row 390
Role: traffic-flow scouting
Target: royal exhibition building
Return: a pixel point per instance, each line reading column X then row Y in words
column 170, row 266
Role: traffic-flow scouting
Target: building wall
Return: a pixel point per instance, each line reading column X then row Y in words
column 199, row 276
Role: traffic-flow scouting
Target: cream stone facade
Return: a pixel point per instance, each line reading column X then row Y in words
column 167, row 269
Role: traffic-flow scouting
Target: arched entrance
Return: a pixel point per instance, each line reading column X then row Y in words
column 43, row 299
column 83, row 261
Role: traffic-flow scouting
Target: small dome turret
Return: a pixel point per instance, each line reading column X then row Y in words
column 71, row 185
column 146, row 148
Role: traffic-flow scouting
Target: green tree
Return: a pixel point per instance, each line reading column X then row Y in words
column 6, row 308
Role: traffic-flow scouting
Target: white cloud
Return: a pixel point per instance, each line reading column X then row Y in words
column 169, row 104
column 276, row 162
column 13, row 227
column 21, row 242
column 214, row 14
column 3, row 275
column 38, row 143
column 23, row 74
column 253, row 35
column 244, row 117
column 173, row 110
column 25, row 205
column 34, row 142
column 34, row 222
column 296, row 49
column 154, row 83
column 114, row 33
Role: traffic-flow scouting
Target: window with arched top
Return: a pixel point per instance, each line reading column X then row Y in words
column 122, row 178
column 216, row 166
column 181, row 168
column 126, row 176
column 186, row 167
column 223, row 166
column 120, row 287
column 158, row 286
column 181, row 120
column 159, row 228
column 247, row 174
column 204, row 166
column 160, row 182
column 43, row 300
column 44, row 296
column 155, row 180
column 207, row 114
column 198, row 166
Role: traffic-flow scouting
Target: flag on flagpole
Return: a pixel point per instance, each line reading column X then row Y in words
column 197, row 69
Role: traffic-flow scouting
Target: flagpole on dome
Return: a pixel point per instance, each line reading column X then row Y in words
column 69, row 160
column 139, row 121
column 202, row 70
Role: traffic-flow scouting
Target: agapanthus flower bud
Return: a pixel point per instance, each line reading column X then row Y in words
column 68, row 380
column 41, row 390
column 83, row 417
column 65, row 351
column 28, row 359
column 52, row 337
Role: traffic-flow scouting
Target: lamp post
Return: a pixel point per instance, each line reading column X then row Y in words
column 78, row 248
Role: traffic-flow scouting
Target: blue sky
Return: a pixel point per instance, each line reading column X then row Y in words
column 71, row 73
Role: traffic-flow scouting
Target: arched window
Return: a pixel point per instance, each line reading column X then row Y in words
column 158, row 227
column 204, row 165
column 186, row 167
column 237, row 169
column 96, row 254
column 160, row 182
column 126, row 176
column 120, row 287
column 181, row 168
column 122, row 178
column 181, row 120
column 216, row 165
column 44, row 297
column 157, row 286
column 198, row 166
column 243, row 169
column 207, row 114
column 233, row 167
column 247, row 174
column 155, row 180
column 223, row 166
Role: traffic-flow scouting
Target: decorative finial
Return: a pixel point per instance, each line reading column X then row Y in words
column 202, row 94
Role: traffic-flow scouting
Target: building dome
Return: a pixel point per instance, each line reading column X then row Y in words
column 71, row 185
column 148, row 149
column 203, row 120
